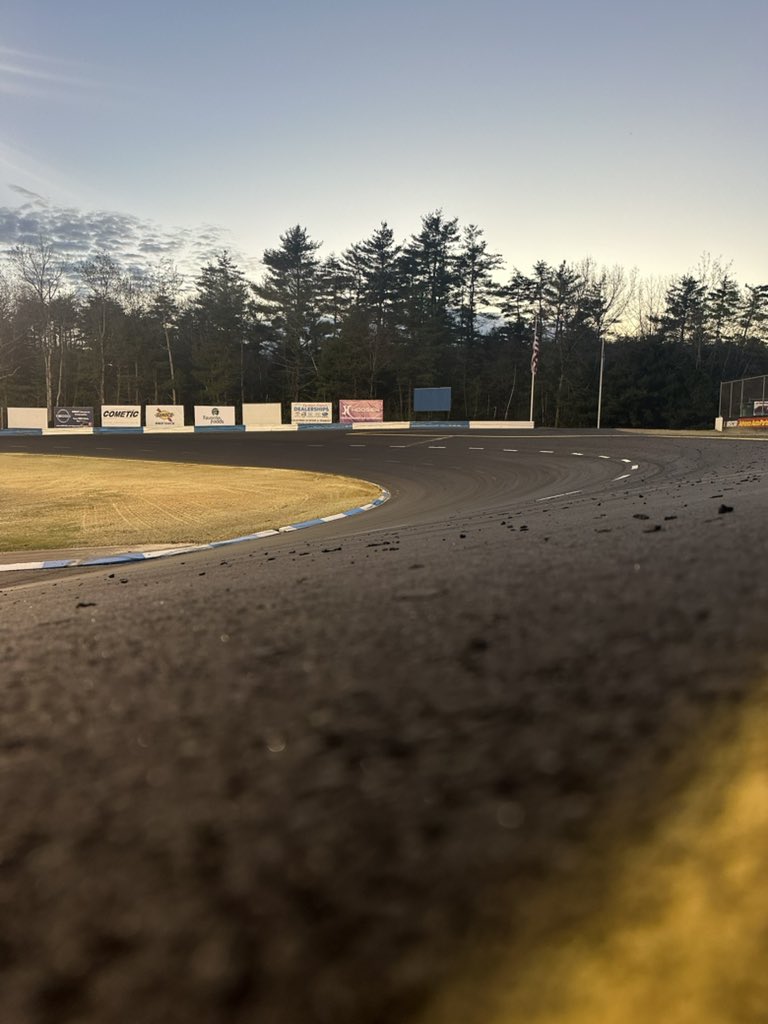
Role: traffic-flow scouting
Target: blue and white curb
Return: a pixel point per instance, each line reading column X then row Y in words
column 146, row 556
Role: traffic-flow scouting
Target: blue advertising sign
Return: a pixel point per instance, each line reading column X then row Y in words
column 67, row 416
column 431, row 399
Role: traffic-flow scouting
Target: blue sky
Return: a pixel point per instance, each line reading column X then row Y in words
column 630, row 132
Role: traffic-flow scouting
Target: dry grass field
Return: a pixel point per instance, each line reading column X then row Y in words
column 53, row 502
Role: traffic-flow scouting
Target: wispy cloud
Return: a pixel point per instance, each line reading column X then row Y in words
column 37, row 75
column 138, row 245
column 27, row 193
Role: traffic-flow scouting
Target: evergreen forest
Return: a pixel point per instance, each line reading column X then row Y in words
column 375, row 321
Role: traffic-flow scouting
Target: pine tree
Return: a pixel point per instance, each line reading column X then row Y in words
column 222, row 327
column 289, row 299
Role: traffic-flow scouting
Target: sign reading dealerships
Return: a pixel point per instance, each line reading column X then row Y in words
column 311, row 412
column 121, row 415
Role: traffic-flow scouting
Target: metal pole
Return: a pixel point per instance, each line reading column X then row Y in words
column 534, row 363
column 533, row 385
column 600, row 384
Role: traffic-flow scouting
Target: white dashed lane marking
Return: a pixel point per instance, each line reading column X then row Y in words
column 565, row 494
column 541, row 451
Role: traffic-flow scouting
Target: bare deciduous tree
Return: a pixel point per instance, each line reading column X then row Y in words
column 41, row 270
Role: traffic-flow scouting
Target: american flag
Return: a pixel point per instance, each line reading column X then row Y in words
column 535, row 351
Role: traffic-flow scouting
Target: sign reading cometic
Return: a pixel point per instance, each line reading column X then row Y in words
column 164, row 415
column 214, row 415
column 361, row 410
column 311, row 412
column 71, row 416
column 120, row 416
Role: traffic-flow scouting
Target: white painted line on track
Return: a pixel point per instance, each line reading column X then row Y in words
column 626, row 460
column 565, row 494
column 398, row 446
column 577, row 453
column 624, row 477
column 635, row 466
column 603, row 456
column 546, row 451
column 355, row 446
column 433, row 446
column 509, row 449
column 476, row 449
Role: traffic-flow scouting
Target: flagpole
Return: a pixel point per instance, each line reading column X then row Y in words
column 534, row 361
column 533, row 385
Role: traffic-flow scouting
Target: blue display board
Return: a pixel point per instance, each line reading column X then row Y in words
column 431, row 399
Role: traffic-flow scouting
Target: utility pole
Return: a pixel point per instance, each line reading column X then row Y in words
column 600, row 384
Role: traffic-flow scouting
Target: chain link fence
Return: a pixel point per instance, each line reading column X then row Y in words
column 744, row 403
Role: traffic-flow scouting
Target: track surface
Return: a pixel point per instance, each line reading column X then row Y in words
column 306, row 779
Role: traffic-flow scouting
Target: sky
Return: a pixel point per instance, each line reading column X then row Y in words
column 632, row 132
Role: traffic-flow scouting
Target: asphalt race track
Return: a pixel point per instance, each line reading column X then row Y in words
column 313, row 778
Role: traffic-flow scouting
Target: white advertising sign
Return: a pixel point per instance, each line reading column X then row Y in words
column 214, row 415
column 311, row 412
column 27, row 419
column 164, row 415
column 121, row 415
column 268, row 414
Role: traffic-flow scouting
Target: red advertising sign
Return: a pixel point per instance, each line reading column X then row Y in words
column 361, row 410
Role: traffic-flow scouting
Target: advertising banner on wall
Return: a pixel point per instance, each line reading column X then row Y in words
column 121, row 416
column 214, row 415
column 164, row 415
column 753, row 422
column 27, row 419
column 73, row 416
column 267, row 414
column 311, row 412
column 361, row 410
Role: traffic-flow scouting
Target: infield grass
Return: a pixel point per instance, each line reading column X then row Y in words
column 60, row 501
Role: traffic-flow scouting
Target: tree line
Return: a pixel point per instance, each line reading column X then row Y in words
column 377, row 320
